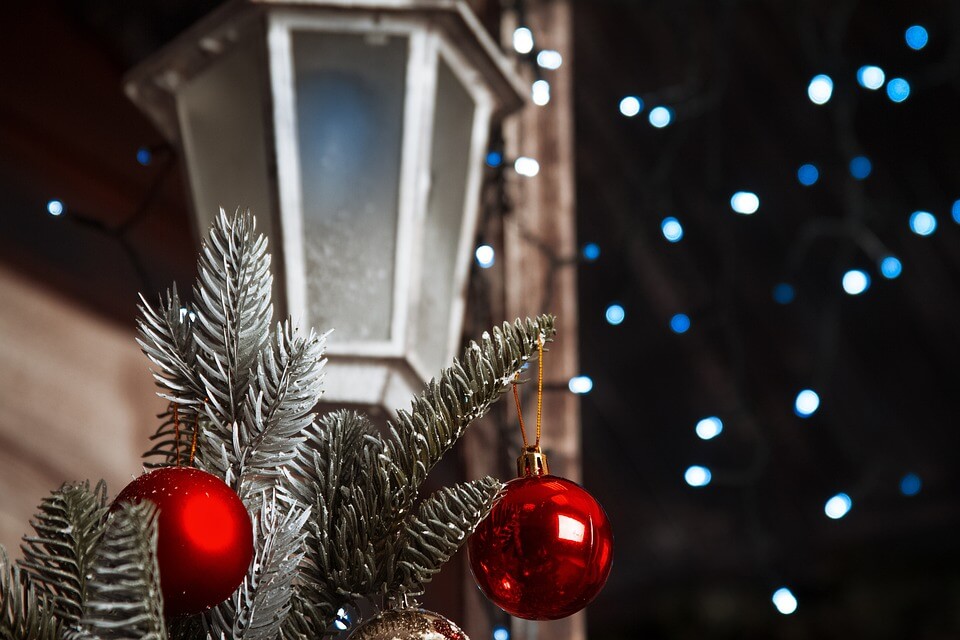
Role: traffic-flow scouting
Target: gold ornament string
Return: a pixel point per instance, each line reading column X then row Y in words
column 193, row 441
column 516, row 397
column 176, row 432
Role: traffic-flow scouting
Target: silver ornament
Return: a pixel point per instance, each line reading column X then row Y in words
column 408, row 624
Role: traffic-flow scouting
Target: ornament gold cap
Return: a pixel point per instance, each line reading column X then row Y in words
column 532, row 462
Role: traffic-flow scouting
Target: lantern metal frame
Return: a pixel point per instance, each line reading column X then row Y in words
column 437, row 32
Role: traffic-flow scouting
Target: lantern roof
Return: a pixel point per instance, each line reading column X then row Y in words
column 152, row 83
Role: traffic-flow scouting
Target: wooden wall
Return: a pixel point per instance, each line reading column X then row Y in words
column 76, row 400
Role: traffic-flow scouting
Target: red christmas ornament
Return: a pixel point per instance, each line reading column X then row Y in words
column 205, row 538
column 545, row 550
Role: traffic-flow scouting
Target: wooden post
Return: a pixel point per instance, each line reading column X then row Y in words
column 537, row 248
column 540, row 247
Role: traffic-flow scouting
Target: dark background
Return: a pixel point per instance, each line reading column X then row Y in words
column 690, row 563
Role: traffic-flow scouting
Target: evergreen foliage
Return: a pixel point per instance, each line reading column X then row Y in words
column 59, row 558
column 336, row 505
column 124, row 599
column 25, row 614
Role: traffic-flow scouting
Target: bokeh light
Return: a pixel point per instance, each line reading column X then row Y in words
column 680, row 323
column 591, row 251
column 631, row 106
column 898, row 89
column 549, row 59
column 784, row 293
column 660, row 117
column 910, row 484
column 342, row 622
column 955, row 211
column 522, row 40
column 745, row 202
column 672, row 229
column 808, row 174
column 861, row 167
column 806, row 403
column 923, row 223
column 580, row 384
column 871, row 77
column 526, row 166
column 615, row 314
column 916, row 37
column 709, row 428
column 838, row 506
column 540, row 92
column 485, row 256
column 501, row 633
column 820, row 89
column 890, row 267
column 55, row 208
column 494, row 159
column 784, row 600
column 144, row 156
column 855, row 282
column 697, row 476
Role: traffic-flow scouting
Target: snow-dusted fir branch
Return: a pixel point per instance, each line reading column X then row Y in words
column 442, row 523
column 461, row 394
column 59, row 557
column 261, row 604
column 364, row 541
column 206, row 353
column 340, row 474
column 279, row 405
column 24, row 612
column 124, row 599
column 334, row 501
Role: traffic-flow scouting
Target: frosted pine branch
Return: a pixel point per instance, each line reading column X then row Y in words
column 25, row 613
column 58, row 559
column 442, row 523
column 260, row 606
column 124, row 599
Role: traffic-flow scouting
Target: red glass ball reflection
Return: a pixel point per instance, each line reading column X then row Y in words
column 545, row 550
column 205, row 537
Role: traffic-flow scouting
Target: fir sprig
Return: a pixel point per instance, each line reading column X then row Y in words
column 124, row 599
column 258, row 608
column 334, row 502
column 59, row 558
column 441, row 525
column 25, row 613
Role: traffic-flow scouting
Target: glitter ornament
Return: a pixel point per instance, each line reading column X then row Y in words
column 205, row 537
column 408, row 624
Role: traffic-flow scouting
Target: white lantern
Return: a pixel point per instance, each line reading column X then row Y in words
column 356, row 131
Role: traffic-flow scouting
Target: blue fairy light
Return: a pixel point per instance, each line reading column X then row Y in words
column 898, row 90
column 672, row 229
column 615, row 314
column 890, row 267
column 784, row 293
column 806, row 403
column 916, row 37
column 861, row 167
column 808, row 174
column 591, row 251
column 910, row 484
column 923, row 223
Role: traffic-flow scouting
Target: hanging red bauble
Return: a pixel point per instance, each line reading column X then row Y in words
column 545, row 550
column 205, row 537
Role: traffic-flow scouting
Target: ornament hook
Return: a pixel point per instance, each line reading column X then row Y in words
column 532, row 462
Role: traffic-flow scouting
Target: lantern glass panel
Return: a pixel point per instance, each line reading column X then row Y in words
column 350, row 99
column 452, row 133
column 221, row 115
